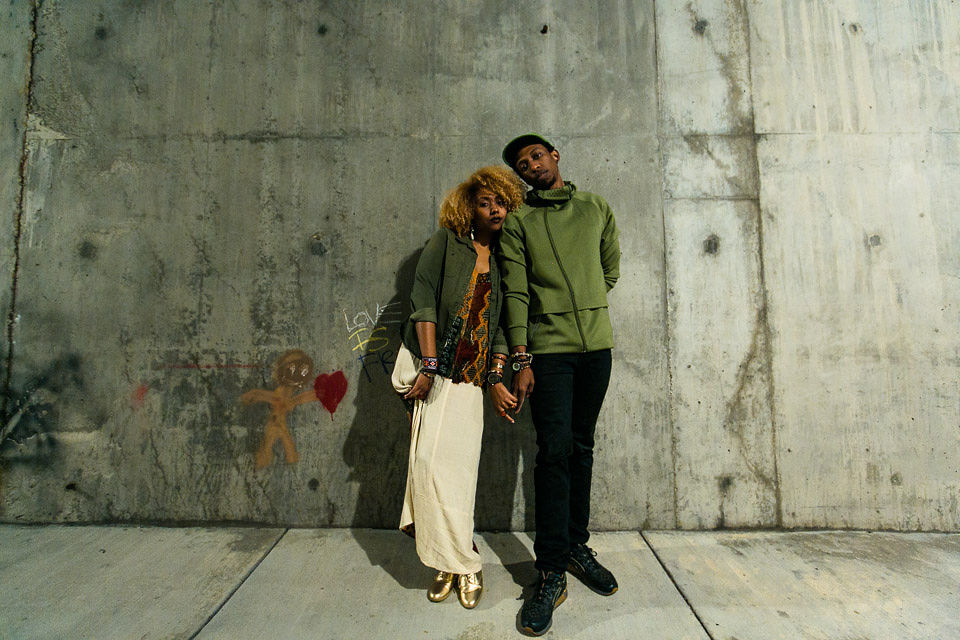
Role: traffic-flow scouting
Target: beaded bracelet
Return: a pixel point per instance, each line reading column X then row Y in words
column 521, row 360
column 430, row 366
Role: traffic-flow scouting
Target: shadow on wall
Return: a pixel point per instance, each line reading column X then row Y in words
column 30, row 412
column 379, row 439
column 506, row 448
column 28, row 407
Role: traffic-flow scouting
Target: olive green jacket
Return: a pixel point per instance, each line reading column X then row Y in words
column 560, row 255
column 440, row 284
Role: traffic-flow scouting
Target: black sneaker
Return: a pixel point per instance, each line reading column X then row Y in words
column 584, row 565
column 536, row 614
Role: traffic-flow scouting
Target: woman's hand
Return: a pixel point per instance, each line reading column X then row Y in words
column 421, row 387
column 503, row 400
column 522, row 386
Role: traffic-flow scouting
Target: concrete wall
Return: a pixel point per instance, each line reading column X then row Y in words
column 208, row 186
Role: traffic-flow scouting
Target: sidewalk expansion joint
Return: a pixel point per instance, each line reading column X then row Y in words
column 677, row 587
column 249, row 573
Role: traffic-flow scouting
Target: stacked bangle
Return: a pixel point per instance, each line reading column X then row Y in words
column 521, row 360
column 495, row 374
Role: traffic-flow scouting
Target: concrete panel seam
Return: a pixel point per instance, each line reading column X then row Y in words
column 677, row 586
column 21, row 194
column 764, row 300
column 855, row 134
column 664, row 288
column 713, row 199
column 266, row 136
column 249, row 573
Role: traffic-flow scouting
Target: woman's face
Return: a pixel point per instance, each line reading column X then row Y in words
column 489, row 211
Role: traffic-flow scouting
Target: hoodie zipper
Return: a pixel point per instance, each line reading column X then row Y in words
column 573, row 299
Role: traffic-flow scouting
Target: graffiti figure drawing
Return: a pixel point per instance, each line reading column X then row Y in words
column 291, row 372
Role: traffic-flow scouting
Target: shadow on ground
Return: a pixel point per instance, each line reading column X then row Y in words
column 399, row 558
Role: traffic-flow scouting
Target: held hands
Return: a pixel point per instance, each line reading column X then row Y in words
column 522, row 386
column 503, row 400
column 420, row 388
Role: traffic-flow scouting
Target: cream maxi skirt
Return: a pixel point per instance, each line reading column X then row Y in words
column 442, row 470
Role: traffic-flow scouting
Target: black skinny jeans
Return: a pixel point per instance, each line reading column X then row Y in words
column 567, row 395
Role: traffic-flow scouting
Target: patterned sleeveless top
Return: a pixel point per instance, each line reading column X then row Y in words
column 470, row 359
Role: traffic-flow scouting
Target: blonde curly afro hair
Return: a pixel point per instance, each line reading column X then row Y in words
column 456, row 212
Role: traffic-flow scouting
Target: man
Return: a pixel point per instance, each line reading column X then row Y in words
column 560, row 255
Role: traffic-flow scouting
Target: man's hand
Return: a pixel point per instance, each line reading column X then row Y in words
column 503, row 400
column 522, row 386
column 420, row 389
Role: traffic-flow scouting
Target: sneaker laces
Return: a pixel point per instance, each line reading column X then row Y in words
column 550, row 582
column 588, row 557
column 590, row 552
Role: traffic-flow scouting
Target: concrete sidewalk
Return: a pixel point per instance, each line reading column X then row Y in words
column 235, row 583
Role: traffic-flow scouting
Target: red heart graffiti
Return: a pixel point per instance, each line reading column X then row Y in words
column 330, row 389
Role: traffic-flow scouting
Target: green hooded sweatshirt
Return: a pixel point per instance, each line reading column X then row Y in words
column 560, row 255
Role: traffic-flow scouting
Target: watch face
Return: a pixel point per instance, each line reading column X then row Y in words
column 515, row 366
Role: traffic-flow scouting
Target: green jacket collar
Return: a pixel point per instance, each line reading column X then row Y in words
column 467, row 241
column 547, row 197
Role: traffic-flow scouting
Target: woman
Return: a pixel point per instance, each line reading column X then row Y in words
column 453, row 347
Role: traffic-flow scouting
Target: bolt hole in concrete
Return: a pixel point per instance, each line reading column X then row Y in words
column 322, row 30
column 875, row 240
column 317, row 247
column 724, row 483
column 712, row 244
column 700, row 26
column 87, row 250
column 544, row 29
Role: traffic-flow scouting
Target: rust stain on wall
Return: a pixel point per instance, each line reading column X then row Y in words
column 737, row 410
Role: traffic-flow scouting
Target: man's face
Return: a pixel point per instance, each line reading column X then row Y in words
column 539, row 167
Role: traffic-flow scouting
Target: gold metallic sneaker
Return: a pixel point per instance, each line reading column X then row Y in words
column 441, row 587
column 470, row 588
